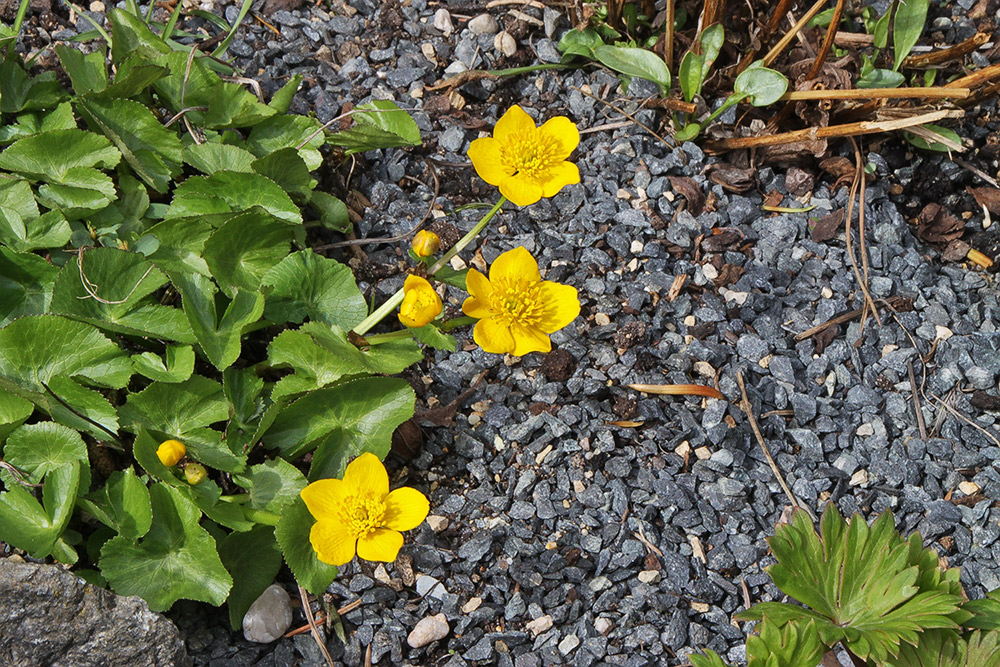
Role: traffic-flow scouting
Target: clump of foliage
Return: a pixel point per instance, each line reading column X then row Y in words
column 152, row 240
column 883, row 598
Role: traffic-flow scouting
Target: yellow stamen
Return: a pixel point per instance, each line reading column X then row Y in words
column 363, row 514
column 531, row 153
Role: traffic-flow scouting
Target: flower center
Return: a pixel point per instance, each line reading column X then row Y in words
column 530, row 153
column 363, row 514
column 515, row 302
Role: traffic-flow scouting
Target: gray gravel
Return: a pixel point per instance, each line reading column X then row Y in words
column 569, row 540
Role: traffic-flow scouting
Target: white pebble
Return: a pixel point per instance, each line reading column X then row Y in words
column 484, row 24
column 269, row 616
column 504, row 43
column 442, row 21
column 428, row 629
column 539, row 625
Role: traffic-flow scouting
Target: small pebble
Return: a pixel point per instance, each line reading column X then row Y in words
column 269, row 616
column 539, row 625
column 484, row 24
column 442, row 21
column 504, row 43
column 428, row 629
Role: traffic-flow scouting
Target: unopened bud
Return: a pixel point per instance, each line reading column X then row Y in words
column 170, row 452
column 425, row 243
column 195, row 473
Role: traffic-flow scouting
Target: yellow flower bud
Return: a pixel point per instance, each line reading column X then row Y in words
column 195, row 473
column 170, row 452
column 421, row 304
column 425, row 243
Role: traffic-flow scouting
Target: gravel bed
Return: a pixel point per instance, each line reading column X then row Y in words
column 558, row 537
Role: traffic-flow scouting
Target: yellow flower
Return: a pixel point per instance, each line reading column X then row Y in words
column 516, row 309
column 425, row 243
column 527, row 162
column 195, row 473
column 360, row 510
column 421, row 304
column 170, row 452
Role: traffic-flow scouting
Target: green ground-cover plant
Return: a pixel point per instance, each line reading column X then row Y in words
column 883, row 598
column 152, row 218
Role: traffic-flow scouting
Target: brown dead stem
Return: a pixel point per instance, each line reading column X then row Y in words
column 934, row 93
column 955, row 52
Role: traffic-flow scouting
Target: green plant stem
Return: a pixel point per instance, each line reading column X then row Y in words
column 456, row 322
column 375, row 339
column 393, row 301
column 261, row 516
column 22, row 11
column 235, row 498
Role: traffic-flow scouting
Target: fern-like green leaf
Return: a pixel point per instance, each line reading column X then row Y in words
column 793, row 644
column 864, row 585
column 985, row 612
column 945, row 648
column 710, row 659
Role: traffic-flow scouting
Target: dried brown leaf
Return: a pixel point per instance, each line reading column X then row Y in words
column 689, row 189
column 732, row 178
column 935, row 225
column 825, row 228
column 988, row 197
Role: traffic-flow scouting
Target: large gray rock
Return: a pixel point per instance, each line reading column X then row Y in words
column 50, row 617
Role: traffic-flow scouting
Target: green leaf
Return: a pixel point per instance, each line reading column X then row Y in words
column 219, row 337
column 434, row 337
column 709, row 659
column 361, row 413
column 117, row 295
column 82, row 189
column 384, row 126
column 858, row 582
column 272, row 485
column 242, row 251
column 25, row 285
column 580, row 43
column 211, row 157
column 635, row 62
column 253, row 560
column 38, row 449
column 181, row 242
column 907, row 25
column 35, row 349
column 282, row 99
column 305, row 284
column 690, row 74
column 14, row 410
column 175, row 409
column 21, row 92
column 178, row 366
column 88, row 72
column 153, row 151
column 320, row 356
column 50, row 230
column 34, row 527
column 696, row 66
column 122, row 504
column 292, row 533
column 226, row 191
column 85, row 403
column 176, row 559
column 332, row 211
column 287, row 168
column 949, row 138
column 793, row 644
column 53, row 156
column 760, row 86
column 881, row 78
column 986, row 612
column 288, row 131
column 133, row 37
column 134, row 76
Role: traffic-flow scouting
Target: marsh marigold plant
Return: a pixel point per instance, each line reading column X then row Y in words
column 516, row 309
column 359, row 513
column 524, row 161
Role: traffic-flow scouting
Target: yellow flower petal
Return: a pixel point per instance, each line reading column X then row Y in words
column 529, row 339
column 520, row 190
column 405, row 509
column 382, row 544
column 323, row 498
column 480, row 291
column 485, row 156
column 559, row 176
column 514, row 121
column 332, row 542
column 562, row 306
column 564, row 131
column 492, row 336
column 515, row 266
column 367, row 475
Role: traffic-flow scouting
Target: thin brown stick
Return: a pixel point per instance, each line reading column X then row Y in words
column 765, row 36
column 748, row 409
column 891, row 303
column 935, row 93
column 711, row 13
column 668, row 36
column 790, row 35
column 976, row 79
column 944, row 55
column 844, row 130
column 304, row 596
column 626, row 114
column 859, row 176
column 853, row 39
column 824, row 49
column 915, row 391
